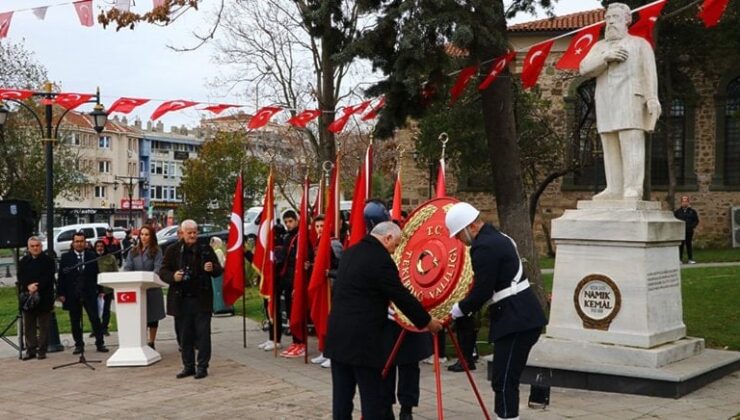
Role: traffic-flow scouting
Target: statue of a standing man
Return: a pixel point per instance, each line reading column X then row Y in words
column 626, row 103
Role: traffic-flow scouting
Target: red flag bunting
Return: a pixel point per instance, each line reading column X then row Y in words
column 5, row 23
column 262, row 117
column 497, row 67
column 373, row 113
column 711, row 11
column 305, row 117
column 72, row 100
column 338, row 124
column 170, row 106
column 579, row 46
column 264, row 260
column 126, row 105
column 17, row 94
column 441, row 190
column 363, row 192
column 646, row 24
column 299, row 309
column 396, row 208
column 84, row 12
column 40, row 12
column 462, row 81
column 219, row 108
column 318, row 288
column 233, row 286
column 533, row 63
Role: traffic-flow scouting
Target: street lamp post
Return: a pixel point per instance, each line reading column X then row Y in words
column 130, row 191
column 49, row 135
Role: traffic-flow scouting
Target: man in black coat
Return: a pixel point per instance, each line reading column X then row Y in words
column 691, row 220
column 78, row 288
column 367, row 281
column 36, row 280
column 516, row 317
column 187, row 267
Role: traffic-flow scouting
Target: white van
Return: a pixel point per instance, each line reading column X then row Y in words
column 63, row 235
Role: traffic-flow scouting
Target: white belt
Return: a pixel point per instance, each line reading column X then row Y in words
column 510, row 291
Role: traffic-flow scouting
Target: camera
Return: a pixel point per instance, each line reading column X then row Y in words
column 187, row 274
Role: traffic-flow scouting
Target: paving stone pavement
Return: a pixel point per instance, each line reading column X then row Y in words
column 252, row 384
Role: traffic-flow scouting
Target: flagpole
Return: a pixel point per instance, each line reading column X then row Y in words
column 244, row 320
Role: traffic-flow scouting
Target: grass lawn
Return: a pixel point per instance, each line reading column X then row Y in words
column 9, row 309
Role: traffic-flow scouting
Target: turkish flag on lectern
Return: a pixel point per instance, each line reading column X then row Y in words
column 233, row 286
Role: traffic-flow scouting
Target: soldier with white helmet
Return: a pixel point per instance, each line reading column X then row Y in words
column 516, row 317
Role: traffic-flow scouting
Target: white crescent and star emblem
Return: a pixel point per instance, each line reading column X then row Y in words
column 534, row 56
column 236, row 221
column 10, row 94
column 125, row 297
column 264, row 230
column 175, row 104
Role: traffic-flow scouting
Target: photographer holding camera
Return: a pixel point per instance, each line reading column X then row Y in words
column 187, row 268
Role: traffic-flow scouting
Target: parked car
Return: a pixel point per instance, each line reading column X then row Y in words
column 252, row 223
column 119, row 233
column 63, row 235
column 204, row 238
column 167, row 233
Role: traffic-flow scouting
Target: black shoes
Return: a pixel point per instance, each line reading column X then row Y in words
column 405, row 416
column 102, row 349
column 458, row 367
column 41, row 356
column 28, row 356
column 151, row 345
column 185, row 373
column 202, row 373
column 77, row 350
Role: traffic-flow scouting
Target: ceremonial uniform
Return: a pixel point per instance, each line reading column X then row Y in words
column 367, row 280
column 516, row 317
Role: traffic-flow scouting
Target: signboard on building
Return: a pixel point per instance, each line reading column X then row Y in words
column 181, row 155
column 138, row 204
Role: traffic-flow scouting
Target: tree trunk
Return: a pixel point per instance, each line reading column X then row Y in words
column 327, row 100
column 511, row 200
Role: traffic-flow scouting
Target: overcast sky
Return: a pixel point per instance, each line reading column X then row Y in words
column 138, row 63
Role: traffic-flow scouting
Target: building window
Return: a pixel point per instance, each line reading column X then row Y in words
column 732, row 133
column 104, row 166
column 670, row 128
column 104, row 142
column 99, row 191
column 586, row 144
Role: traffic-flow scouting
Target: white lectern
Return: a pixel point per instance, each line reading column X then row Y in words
column 129, row 294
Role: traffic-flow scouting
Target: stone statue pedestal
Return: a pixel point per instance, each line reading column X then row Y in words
column 616, row 319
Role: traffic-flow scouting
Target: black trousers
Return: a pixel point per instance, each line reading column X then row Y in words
column 195, row 329
column 36, row 330
column 105, row 321
column 687, row 243
column 403, row 382
column 344, row 379
column 75, row 319
column 510, row 355
column 466, row 335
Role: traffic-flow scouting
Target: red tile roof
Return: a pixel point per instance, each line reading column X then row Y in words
column 560, row 23
column 79, row 120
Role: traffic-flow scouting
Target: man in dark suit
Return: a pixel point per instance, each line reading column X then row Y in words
column 36, row 279
column 516, row 317
column 187, row 268
column 691, row 220
column 367, row 281
column 78, row 288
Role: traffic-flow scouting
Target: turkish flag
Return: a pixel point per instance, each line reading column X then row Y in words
column 126, row 105
column 264, row 258
column 462, row 81
column 233, row 286
column 72, row 100
column 305, row 117
column 396, row 208
column 579, row 46
column 219, row 108
column 262, row 117
column 319, row 289
column 299, row 310
column 40, row 12
column 441, row 190
column 533, row 63
column 373, row 113
column 646, row 24
column 170, row 106
column 84, row 12
column 17, row 94
column 338, row 124
column 710, row 13
column 497, row 67
column 5, row 23
column 363, row 191
column 126, row 297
